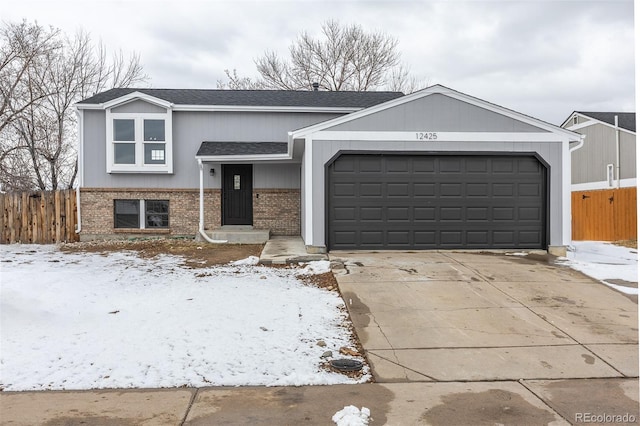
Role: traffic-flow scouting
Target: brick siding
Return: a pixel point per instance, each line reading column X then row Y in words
column 274, row 209
column 277, row 210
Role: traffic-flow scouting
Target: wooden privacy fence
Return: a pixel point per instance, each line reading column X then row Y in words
column 38, row 217
column 604, row 215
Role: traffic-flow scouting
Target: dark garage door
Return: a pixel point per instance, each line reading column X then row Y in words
column 388, row 201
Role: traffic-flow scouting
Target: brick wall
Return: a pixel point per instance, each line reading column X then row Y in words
column 277, row 210
column 96, row 210
column 274, row 209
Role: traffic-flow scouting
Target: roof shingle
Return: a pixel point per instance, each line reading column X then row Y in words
column 626, row 120
column 257, row 98
column 241, row 148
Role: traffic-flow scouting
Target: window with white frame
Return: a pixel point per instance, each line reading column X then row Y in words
column 141, row 214
column 138, row 142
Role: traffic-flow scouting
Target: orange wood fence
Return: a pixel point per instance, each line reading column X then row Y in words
column 604, row 215
column 38, row 217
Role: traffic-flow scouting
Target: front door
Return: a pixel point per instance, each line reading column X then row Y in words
column 237, row 190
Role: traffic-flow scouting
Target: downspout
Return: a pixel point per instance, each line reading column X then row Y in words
column 80, row 169
column 617, row 129
column 203, row 234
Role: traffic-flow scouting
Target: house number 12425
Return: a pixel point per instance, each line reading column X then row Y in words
column 426, row 136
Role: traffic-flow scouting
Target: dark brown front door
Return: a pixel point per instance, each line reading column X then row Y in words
column 237, row 190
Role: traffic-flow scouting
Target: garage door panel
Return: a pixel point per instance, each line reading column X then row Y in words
column 371, row 213
column 398, row 189
column 372, row 238
column 423, row 165
column 450, row 165
column 344, row 190
column 370, row 190
column 451, row 190
column 344, row 213
column 477, row 190
column 424, row 214
column 397, row 165
column 503, row 189
column 502, row 166
column 503, row 213
column 424, row 189
column 436, row 201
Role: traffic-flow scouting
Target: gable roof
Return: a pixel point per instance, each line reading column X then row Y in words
column 250, row 98
column 437, row 88
column 626, row 120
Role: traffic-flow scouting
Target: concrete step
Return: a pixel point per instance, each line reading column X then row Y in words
column 240, row 236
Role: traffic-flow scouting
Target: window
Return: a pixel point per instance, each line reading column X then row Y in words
column 157, row 213
column 139, row 142
column 141, row 214
column 127, row 214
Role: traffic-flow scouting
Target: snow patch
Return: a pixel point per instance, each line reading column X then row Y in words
column 316, row 268
column 352, row 416
column 605, row 262
column 249, row 261
column 93, row 321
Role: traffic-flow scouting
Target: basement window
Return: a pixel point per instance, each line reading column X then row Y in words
column 141, row 214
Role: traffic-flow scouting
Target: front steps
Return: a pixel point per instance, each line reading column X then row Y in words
column 239, row 234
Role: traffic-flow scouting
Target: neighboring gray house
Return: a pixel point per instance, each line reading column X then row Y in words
column 345, row 170
column 607, row 158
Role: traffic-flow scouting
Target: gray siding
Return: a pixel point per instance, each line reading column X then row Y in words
column 190, row 129
column 437, row 113
column 551, row 153
column 283, row 176
column 139, row 106
column 589, row 163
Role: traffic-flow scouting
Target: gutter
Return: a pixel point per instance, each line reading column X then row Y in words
column 201, row 230
column 580, row 144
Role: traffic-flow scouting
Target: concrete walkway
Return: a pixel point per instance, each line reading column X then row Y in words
column 453, row 338
column 535, row 402
column 284, row 250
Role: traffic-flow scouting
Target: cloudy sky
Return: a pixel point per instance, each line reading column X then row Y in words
column 544, row 58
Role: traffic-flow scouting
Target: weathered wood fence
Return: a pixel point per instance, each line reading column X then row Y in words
column 38, row 217
column 604, row 215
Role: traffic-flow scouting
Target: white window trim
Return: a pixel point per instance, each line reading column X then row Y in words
column 139, row 166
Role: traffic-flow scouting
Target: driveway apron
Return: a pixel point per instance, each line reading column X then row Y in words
column 450, row 316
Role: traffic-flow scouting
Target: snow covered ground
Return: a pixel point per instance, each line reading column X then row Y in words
column 605, row 262
column 90, row 321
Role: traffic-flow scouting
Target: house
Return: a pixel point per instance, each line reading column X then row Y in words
column 436, row 169
column 603, row 175
column 607, row 159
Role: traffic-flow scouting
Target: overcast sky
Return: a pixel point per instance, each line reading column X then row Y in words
column 543, row 58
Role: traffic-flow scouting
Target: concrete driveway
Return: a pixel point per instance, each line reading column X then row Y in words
column 448, row 316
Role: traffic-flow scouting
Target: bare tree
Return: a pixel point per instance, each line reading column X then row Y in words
column 235, row 82
column 43, row 133
column 345, row 58
column 22, row 46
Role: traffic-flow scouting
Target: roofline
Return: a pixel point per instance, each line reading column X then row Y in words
column 588, row 117
column 222, row 108
column 426, row 92
column 181, row 107
column 211, row 108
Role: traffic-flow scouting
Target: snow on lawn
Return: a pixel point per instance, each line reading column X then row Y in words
column 605, row 262
column 89, row 321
